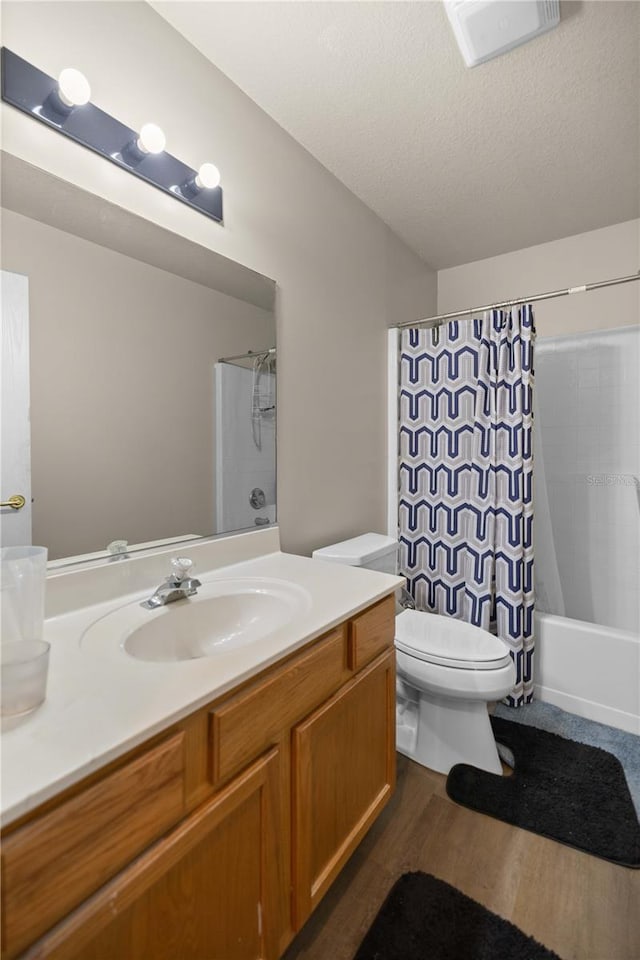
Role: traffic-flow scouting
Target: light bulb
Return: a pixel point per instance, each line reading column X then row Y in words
column 151, row 139
column 73, row 88
column 208, row 176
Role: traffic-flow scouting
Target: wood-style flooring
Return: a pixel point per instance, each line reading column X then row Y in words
column 581, row 907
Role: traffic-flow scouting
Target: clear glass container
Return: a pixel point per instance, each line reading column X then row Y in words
column 24, row 666
column 23, row 575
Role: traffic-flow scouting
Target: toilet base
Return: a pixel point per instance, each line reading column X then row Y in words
column 438, row 733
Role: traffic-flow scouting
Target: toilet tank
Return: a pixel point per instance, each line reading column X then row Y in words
column 374, row 551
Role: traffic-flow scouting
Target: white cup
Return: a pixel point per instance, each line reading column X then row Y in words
column 23, row 572
column 24, row 666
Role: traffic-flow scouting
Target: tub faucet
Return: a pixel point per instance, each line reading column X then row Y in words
column 176, row 586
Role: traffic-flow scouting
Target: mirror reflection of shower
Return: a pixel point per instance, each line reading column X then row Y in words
column 263, row 393
column 245, row 492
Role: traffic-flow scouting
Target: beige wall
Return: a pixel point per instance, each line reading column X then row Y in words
column 343, row 276
column 585, row 258
column 122, row 389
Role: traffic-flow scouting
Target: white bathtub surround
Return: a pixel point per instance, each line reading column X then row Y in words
column 587, row 525
column 590, row 670
column 588, row 413
column 548, row 589
column 100, row 706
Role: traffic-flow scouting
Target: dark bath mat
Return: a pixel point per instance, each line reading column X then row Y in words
column 561, row 789
column 426, row 919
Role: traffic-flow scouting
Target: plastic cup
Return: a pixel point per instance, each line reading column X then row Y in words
column 24, row 666
column 23, row 572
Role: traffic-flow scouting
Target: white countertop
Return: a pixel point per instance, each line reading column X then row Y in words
column 100, row 706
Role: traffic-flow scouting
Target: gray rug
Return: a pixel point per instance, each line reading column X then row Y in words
column 625, row 746
column 571, row 792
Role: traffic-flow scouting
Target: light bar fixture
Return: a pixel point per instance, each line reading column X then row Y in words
column 73, row 88
column 65, row 105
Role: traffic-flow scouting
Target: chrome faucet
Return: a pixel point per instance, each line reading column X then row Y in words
column 176, row 586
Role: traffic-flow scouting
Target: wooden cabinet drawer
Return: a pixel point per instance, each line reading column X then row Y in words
column 52, row 863
column 371, row 632
column 245, row 726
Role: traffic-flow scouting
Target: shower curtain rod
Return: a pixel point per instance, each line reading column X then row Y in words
column 247, row 356
column 443, row 317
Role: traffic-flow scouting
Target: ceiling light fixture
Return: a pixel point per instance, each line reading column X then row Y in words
column 484, row 29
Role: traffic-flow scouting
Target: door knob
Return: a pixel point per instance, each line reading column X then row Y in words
column 16, row 502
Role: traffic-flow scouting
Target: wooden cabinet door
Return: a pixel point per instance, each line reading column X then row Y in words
column 209, row 890
column 57, row 860
column 343, row 774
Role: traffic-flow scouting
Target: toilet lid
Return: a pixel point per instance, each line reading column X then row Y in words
column 448, row 642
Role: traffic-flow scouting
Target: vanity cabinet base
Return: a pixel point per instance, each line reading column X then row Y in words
column 254, row 804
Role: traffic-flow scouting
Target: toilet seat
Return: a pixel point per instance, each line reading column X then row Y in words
column 449, row 643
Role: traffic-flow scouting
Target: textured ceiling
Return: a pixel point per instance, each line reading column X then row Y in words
column 538, row 144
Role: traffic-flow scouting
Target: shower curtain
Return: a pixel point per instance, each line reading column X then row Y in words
column 466, row 469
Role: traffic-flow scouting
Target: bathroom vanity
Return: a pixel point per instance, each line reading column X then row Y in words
column 218, row 832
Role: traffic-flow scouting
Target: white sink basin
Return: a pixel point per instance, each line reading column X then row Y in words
column 224, row 616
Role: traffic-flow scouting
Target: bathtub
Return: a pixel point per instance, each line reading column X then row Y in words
column 589, row 670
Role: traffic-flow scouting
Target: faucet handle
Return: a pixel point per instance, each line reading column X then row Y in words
column 181, row 567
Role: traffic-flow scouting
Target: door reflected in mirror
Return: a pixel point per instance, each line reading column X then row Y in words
column 152, row 375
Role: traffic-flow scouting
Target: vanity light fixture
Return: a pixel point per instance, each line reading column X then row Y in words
column 65, row 105
column 71, row 91
column 207, row 178
column 151, row 139
column 73, row 88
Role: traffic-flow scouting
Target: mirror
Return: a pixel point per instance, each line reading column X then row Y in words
column 152, row 375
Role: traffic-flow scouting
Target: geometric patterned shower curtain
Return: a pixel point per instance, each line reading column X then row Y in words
column 466, row 470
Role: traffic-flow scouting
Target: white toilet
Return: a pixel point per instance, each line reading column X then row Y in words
column 448, row 672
